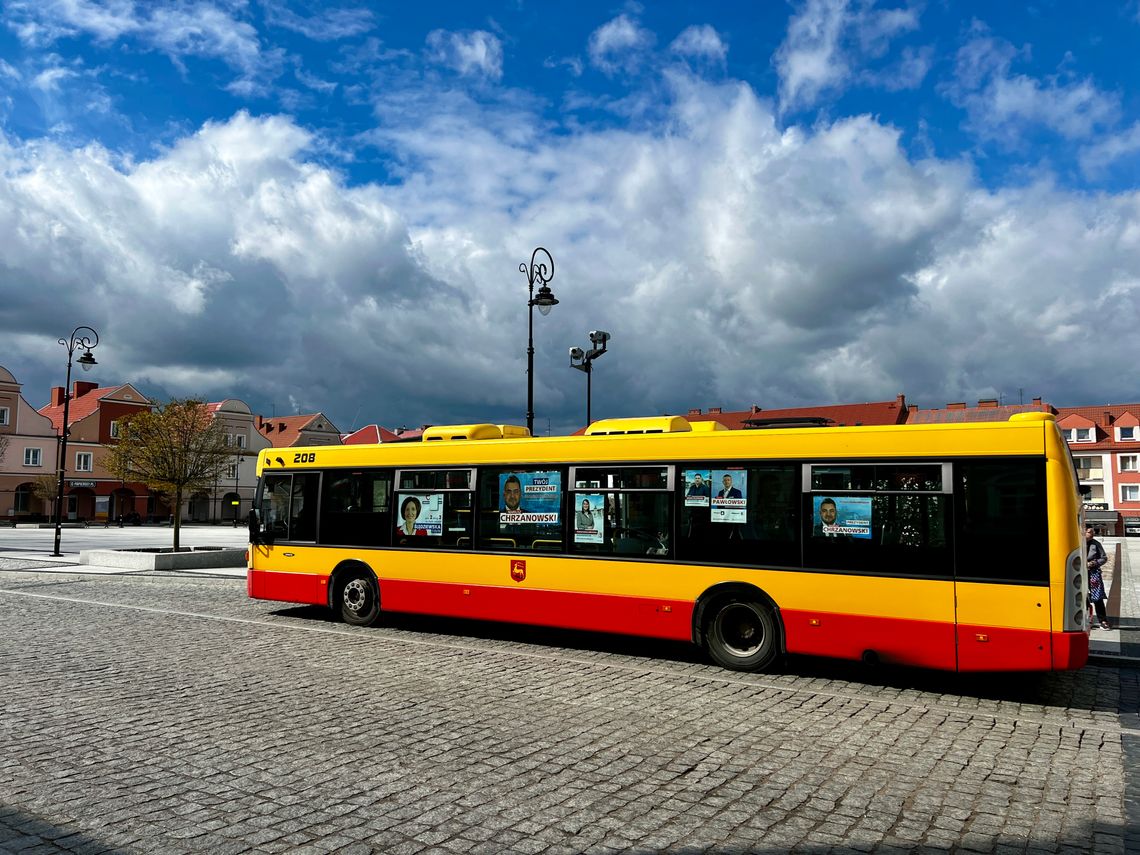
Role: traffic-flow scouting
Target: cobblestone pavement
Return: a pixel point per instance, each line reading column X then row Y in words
column 151, row 713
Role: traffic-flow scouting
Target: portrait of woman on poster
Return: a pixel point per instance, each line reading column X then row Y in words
column 409, row 510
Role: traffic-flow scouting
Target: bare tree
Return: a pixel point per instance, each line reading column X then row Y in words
column 176, row 448
column 44, row 488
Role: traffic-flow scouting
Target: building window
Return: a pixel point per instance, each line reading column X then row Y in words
column 33, row 457
column 1082, row 435
column 3, row 415
column 1130, row 492
column 1126, row 434
column 115, row 429
column 83, row 461
column 229, row 439
column 1128, row 462
column 231, row 471
column 241, row 440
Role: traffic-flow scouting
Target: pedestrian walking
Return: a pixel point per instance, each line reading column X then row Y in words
column 1097, row 558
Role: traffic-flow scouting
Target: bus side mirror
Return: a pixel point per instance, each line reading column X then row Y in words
column 254, row 527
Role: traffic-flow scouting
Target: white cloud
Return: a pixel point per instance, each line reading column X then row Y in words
column 471, row 54
column 828, row 43
column 179, row 29
column 734, row 260
column 619, row 45
column 702, row 42
column 1099, row 156
column 1002, row 105
column 324, row 24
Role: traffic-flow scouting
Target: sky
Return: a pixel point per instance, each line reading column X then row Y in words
column 324, row 206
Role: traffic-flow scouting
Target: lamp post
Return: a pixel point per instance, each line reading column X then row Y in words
column 85, row 361
column 536, row 272
column 583, row 360
column 237, row 474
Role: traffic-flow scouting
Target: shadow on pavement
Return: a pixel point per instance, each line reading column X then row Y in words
column 20, row 832
column 1099, row 689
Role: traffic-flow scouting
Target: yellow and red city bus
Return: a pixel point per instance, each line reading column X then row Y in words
column 955, row 547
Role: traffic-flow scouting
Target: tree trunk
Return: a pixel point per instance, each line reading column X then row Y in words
column 177, row 516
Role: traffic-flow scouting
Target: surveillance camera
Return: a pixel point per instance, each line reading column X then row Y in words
column 577, row 353
column 599, row 336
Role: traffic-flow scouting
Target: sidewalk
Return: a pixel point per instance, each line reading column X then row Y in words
column 1122, row 642
column 31, row 549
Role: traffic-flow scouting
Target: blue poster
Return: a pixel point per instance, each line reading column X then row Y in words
column 530, row 497
column 841, row 516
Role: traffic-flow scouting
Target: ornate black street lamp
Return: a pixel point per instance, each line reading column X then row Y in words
column 86, row 361
column 237, row 489
column 583, row 360
column 537, row 272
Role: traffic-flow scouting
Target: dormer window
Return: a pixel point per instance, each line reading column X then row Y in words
column 1126, row 434
column 1081, row 435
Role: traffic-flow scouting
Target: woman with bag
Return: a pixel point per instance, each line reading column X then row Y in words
column 1097, row 558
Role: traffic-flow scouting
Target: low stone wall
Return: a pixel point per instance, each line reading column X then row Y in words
column 195, row 559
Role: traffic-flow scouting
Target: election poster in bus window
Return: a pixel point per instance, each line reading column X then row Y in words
column 588, row 517
column 847, row 517
column 420, row 513
column 729, row 487
column 698, row 488
column 529, row 497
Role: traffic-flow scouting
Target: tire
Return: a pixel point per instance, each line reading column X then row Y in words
column 743, row 635
column 359, row 599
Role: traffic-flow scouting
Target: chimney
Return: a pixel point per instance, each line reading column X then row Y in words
column 1107, row 417
column 714, row 411
column 694, row 411
column 82, row 387
column 1037, row 402
column 57, row 396
column 957, row 405
column 900, row 401
column 987, row 403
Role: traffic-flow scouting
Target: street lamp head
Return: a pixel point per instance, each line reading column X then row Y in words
column 545, row 300
column 86, row 361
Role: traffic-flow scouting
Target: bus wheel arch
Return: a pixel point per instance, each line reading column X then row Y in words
column 354, row 593
column 739, row 626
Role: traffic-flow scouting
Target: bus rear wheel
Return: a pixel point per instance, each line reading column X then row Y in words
column 743, row 635
column 359, row 599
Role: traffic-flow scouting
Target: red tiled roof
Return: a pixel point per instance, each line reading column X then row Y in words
column 873, row 413
column 370, row 435
column 79, row 408
column 1104, row 419
column 958, row 415
column 282, row 431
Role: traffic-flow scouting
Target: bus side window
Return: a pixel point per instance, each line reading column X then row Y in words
column 355, row 507
column 303, row 506
column 521, row 509
column 764, row 530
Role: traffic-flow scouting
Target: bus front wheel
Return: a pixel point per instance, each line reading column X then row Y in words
column 359, row 599
column 743, row 635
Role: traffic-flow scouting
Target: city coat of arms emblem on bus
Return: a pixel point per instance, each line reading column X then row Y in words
column 518, row 569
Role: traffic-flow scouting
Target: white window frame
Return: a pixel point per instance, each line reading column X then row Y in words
column 33, row 457
column 1126, row 488
column 84, row 457
column 1120, row 437
column 1077, row 435
column 241, row 440
column 231, row 472
column 4, row 416
column 1135, row 460
column 115, row 429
